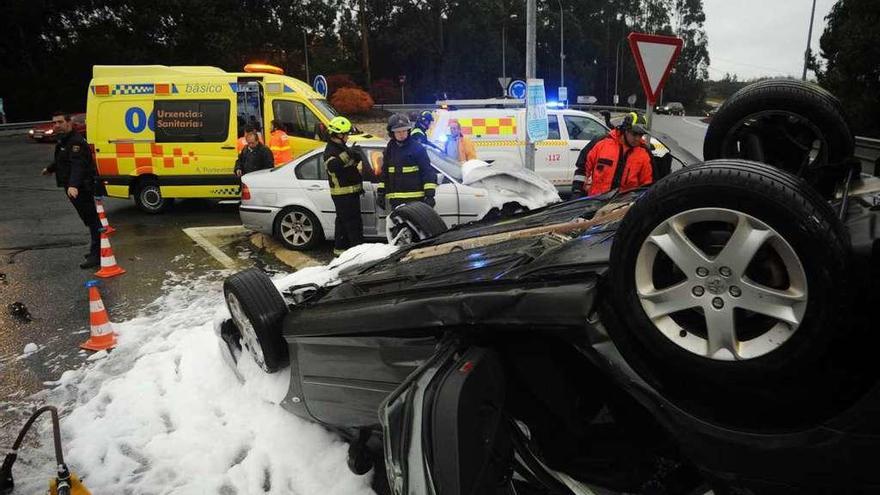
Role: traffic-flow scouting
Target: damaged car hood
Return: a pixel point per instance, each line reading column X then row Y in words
column 506, row 184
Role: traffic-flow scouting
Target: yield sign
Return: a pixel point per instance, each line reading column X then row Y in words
column 654, row 56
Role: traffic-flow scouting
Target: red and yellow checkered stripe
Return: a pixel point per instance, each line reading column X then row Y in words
column 500, row 126
column 143, row 158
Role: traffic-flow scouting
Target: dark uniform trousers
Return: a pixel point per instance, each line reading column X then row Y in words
column 349, row 226
column 85, row 208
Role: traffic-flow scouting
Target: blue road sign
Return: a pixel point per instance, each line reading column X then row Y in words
column 517, row 89
column 320, row 85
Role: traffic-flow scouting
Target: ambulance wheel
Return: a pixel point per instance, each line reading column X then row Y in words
column 298, row 229
column 257, row 310
column 148, row 197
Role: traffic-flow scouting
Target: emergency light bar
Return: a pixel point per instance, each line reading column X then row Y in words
column 266, row 68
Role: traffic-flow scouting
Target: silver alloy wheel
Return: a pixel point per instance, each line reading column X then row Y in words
column 297, row 228
column 246, row 328
column 715, row 287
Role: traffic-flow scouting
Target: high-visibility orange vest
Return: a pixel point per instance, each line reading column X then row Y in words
column 278, row 143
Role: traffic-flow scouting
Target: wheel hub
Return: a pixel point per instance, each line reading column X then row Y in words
column 704, row 296
column 716, row 285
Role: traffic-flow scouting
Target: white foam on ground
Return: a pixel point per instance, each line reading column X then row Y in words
column 163, row 413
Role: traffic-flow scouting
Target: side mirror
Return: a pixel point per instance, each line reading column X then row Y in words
column 321, row 132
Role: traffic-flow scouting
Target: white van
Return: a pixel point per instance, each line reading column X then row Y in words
column 499, row 134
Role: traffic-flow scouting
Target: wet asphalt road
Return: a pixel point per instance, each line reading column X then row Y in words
column 42, row 242
column 687, row 131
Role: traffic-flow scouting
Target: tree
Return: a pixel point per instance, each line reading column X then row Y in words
column 851, row 48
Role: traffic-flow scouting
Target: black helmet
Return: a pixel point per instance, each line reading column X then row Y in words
column 634, row 122
column 398, row 122
column 426, row 116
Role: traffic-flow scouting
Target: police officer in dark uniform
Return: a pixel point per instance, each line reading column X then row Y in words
column 346, row 186
column 75, row 172
column 407, row 174
column 255, row 156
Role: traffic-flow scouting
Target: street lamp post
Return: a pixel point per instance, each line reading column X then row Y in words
column 617, row 71
column 809, row 35
column 504, row 47
column 561, row 51
column 531, row 15
column 306, row 47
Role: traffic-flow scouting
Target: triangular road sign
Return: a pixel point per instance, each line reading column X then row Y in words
column 654, row 56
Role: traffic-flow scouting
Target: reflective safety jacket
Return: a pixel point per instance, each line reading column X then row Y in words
column 280, row 146
column 418, row 134
column 406, row 172
column 342, row 169
column 612, row 164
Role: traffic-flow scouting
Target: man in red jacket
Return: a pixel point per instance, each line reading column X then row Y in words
column 620, row 160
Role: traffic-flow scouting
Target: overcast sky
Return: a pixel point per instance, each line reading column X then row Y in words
column 752, row 38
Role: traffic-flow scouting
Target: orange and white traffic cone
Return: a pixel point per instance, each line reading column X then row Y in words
column 103, row 336
column 102, row 215
column 109, row 268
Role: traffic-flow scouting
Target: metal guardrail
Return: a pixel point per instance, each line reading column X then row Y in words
column 21, row 125
column 868, row 151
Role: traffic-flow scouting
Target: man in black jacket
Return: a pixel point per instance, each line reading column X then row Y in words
column 407, row 174
column 75, row 172
column 255, row 156
column 346, row 186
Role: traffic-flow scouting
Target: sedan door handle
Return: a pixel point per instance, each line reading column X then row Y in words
column 227, row 147
column 574, row 149
column 316, row 188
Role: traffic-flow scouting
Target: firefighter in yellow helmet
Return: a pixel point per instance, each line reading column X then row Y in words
column 346, row 185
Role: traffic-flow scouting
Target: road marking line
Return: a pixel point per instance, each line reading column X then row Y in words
column 700, row 125
column 195, row 233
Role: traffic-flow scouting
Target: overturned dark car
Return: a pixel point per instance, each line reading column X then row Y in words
column 715, row 332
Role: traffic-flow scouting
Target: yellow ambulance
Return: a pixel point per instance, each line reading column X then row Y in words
column 161, row 132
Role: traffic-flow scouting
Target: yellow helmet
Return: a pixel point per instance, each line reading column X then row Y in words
column 339, row 125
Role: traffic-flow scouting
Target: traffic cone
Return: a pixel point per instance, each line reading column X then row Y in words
column 109, row 268
column 102, row 215
column 103, row 336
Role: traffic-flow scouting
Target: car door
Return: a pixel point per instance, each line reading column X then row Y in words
column 299, row 122
column 313, row 183
column 444, row 429
column 551, row 154
column 580, row 130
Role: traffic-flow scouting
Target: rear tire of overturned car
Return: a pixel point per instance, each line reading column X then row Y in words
column 413, row 222
column 792, row 125
column 728, row 292
column 257, row 310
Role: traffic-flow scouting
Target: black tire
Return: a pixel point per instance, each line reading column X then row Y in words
column 148, row 197
column 298, row 229
column 260, row 308
column 805, row 111
column 421, row 220
column 786, row 385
